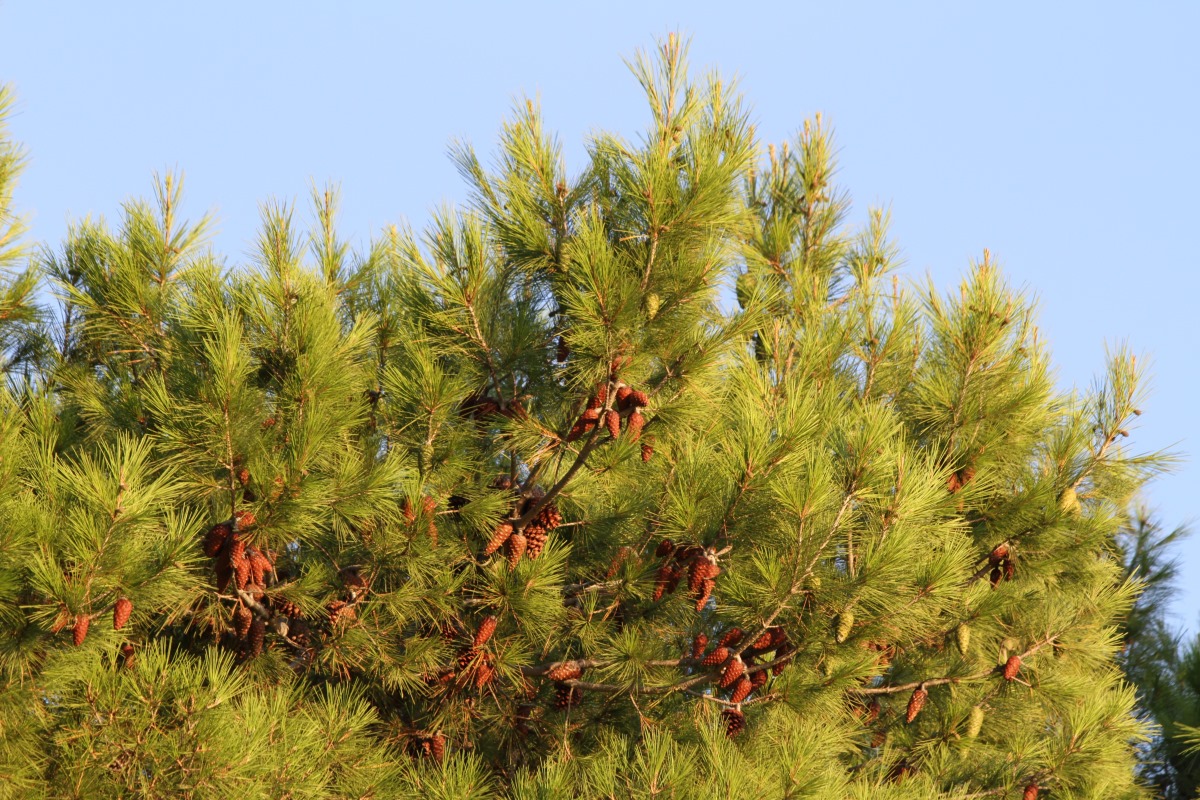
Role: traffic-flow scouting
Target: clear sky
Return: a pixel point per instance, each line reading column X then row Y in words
column 1062, row 136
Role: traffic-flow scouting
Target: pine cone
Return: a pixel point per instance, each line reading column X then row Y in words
column 224, row 571
column 565, row 671
column 243, row 520
column 1031, row 792
column 699, row 644
column 962, row 638
column 241, row 572
column 665, row 548
column 647, row 451
column 716, row 658
column 127, row 654
column 339, row 610
column 622, row 396
column 1010, row 570
column 484, row 672
column 618, row 559
column 733, row 670
column 634, row 425
column 758, row 679
column 549, row 517
column 514, row 548
column 536, row 536
column 243, row 476
column 486, row 628
column 697, row 573
column 121, row 612
column 406, row 509
column 998, row 554
column 254, row 639
column 465, row 657
column 214, row 540
column 80, row 630
column 763, row 643
column 916, row 703
column 662, row 579
column 563, row 350
column 638, row 399
column 598, row 399
column 499, row 537
column 735, row 721
column 566, row 696
column 705, row 593
column 995, row 577
column 1012, row 667
column 742, row 690
column 845, row 625
column 975, row 722
column 612, row 420
column 732, row 638
column 782, row 651
column 241, row 621
column 437, row 742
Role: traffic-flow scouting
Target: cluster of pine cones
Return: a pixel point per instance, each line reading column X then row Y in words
column 473, row 665
column 429, row 508
column 247, row 566
column 627, row 407
column 532, row 538
column 122, row 609
column 699, row 563
column 739, row 678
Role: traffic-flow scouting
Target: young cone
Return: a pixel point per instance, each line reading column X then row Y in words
column 742, row 690
column 486, row 628
column 80, row 630
column 1011, row 667
column 515, row 548
column 916, row 703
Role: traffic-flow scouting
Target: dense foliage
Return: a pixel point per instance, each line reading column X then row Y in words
column 525, row 506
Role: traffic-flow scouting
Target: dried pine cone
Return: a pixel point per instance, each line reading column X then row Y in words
column 705, row 593
column 758, row 679
column 742, row 690
column 735, row 721
column 241, row 620
column 612, row 421
column 565, row 671
column 254, row 638
column 549, row 517
column 241, row 572
column 224, row 571
column 121, row 612
column 733, row 670
column 339, row 610
column 1012, row 667
column 665, row 548
column 214, row 540
column 486, row 628
column 916, row 703
column 484, row 672
column 80, row 630
column 514, row 548
column 1031, row 792
column 243, row 520
column 998, row 554
column 716, row 657
column 995, row 576
column 638, row 399
column 622, row 396
column 566, row 696
column 437, row 743
column 598, row 399
column 286, row 607
column 536, row 536
column 699, row 644
column 465, row 657
column 499, row 537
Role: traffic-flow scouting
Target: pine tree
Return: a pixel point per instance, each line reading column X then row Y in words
column 318, row 481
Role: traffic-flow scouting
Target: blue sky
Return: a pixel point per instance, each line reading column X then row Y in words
column 1059, row 136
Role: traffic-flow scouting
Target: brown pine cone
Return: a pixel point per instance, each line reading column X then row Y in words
column 647, row 451
column 243, row 520
column 565, row 671
column 784, row 650
column 243, row 476
column 80, row 630
column 634, row 425
column 254, row 638
column 549, row 517
column 998, row 554
column 214, row 540
column 618, row 559
column 224, row 571
column 1010, row 570
column 763, row 643
column 1031, row 792
column 514, row 548
column 995, row 576
column 484, row 672
column 598, row 399
column 638, row 399
column 259, row 566
column 662, row 579
column 758, row 679
column 733, row 670
column 406, row 509
column 716, row 657
column 622, row 396
column 665, row 548
column 536, row 536
column 121, row 612
column 499, row 537
column 735, row 721
column 127, row 655
column 1012, row 667
column 742, row 689
column 732, row 638
column 697, row 572
column 612, row 421
column 241, row 572
column 486, row 628
column 437, row 742
column 916, row 703
column 705, row 593
column 241, row 621
column 339, row 610
column 566, row 696
column 699, row 644
column 465, row 657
